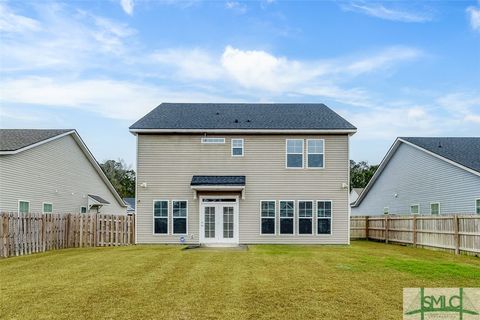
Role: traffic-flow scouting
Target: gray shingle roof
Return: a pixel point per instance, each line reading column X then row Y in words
column 218, row 180
column 242, row 116
column 98, row 199
column 462, row 150
column 15, row 139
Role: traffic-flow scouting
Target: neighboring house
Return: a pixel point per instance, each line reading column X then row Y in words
column 355, row 193
column 242, row 173
column 52, row 171
column 425, row 176
column 130, row 205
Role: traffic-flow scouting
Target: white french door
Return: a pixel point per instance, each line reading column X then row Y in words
column 219, row 220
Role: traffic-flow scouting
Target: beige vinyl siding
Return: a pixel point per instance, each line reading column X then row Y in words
column 57, row 172
column 166, row 163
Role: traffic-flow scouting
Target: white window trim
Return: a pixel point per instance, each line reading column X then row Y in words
column 323, row 153
column 280, row 218
column 43, row 207
column 331, row 218
column 243, row 148
column 475, row 205
column 438, row 207
column 286, row 154
column 86, row 209
column 168, row 218
column 311, row 218
column 275, row 219
column 209, row 140
column 415, row 204
column 186, row 218
column 29, row 208
column 386, row 209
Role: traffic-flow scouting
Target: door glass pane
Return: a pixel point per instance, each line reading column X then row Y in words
column 228, row 222
column 209, row 222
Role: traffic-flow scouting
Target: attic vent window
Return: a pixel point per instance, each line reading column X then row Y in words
column 213, row 140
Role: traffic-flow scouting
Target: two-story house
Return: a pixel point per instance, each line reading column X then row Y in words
column 52, row 171
column 242, row 173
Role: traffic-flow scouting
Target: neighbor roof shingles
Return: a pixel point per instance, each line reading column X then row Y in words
column 15, row 139
column 242, row 116
column 462, row 150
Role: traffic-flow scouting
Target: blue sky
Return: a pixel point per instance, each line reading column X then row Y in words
column 391, row 68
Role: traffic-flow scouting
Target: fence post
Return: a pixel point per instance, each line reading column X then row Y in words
column 456, row 235
column 366, row 227
column 414, row 230
column 386, row 228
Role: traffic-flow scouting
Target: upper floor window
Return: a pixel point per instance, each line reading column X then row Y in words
column 315, row 153
column 160, row 217
column 434, row 208
column 213, row 140
column 267, row 209
column 23, row 206
column 295, row 153
column 180, row 213
column 324, row 217
column 305, row 217
column 47, row 207
column 237, row 147
column 477, row 205
column 414, row 209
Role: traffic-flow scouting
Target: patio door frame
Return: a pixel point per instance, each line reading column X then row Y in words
column 219, row 240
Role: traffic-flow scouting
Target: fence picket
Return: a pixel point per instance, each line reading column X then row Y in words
column 454, row 233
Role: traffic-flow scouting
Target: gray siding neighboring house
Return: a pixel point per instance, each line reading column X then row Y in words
column 245, row 195
column 54, row 171
column 439, row 174
column 355, row 193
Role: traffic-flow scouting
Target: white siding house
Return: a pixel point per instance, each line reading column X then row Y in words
column 425, row 176
column 52, row 171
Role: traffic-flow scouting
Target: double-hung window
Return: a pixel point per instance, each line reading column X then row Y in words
column 414, row 209
column 267, row 209
column 160, row 217
column 435, row 208
column 324, row 217
column 295, row 153
column 315, row 152
column 23, row 206
column 305, row 217
column 287, row 213
column 180, row 213
column 237, row 147
column 47, row 207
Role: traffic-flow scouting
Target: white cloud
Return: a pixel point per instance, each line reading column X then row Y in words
column 65, row 39
column 474, row 15
column 127, row 6
column 381, row 11
column 464, row 105
column 109, row 98
column 193, row 64
column 236, row 6
column 12, row 22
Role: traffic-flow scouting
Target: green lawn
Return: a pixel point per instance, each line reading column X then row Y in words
column 361, row 281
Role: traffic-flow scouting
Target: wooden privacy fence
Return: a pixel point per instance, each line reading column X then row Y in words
column 22, row 234
column 458, row 233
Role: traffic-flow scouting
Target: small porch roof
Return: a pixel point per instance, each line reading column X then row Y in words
column 218, row 183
